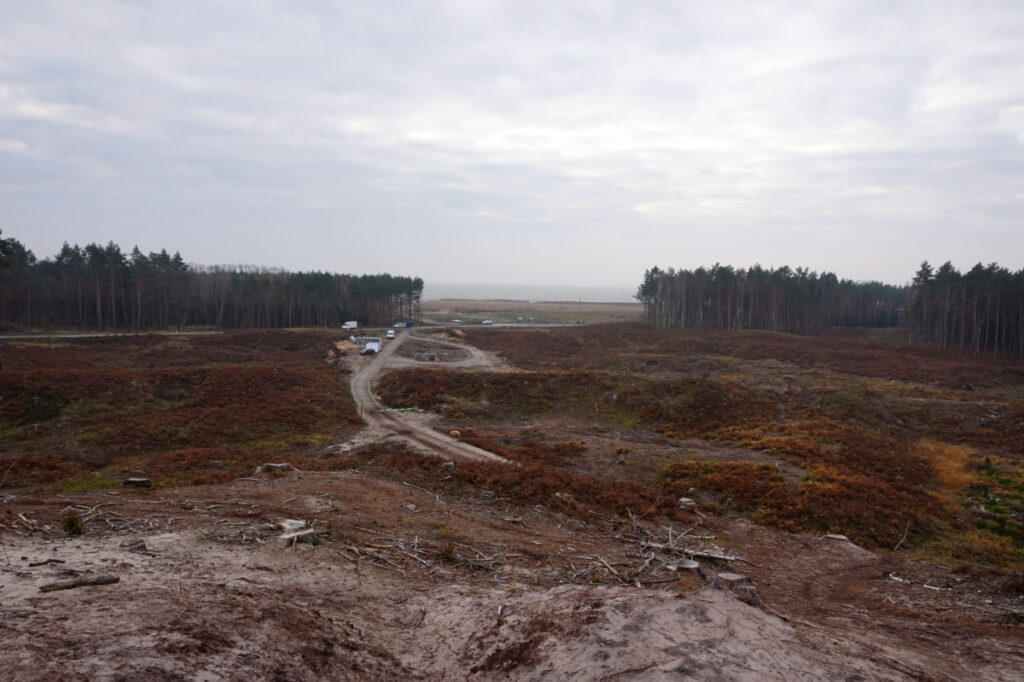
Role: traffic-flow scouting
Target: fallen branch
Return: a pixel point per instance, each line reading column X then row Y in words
column 902, row 539
column 645, row 583
column 416, row 558
column 722, row 557
column 700, row 553
column 410, row 485
column 366, row 530
column 80, row 582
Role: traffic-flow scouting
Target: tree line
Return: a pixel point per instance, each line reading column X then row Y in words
column 797, row 301
column 981, row 310
column 103, row 288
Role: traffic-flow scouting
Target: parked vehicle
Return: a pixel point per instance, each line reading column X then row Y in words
column 368, row 351
column 351, row 324
column 390, row 334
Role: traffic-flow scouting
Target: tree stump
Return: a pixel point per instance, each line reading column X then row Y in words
column 740, row 586
column 274, row 468
column 135, row 545
column 308, row 535
column 689, row 567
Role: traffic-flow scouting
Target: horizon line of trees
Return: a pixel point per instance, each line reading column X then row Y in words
column 980, row 311
column 103, row 288
column 796, row 301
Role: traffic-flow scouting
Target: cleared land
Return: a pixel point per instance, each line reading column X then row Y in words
column 894, row 442
column 563, row 312
column 562, row 565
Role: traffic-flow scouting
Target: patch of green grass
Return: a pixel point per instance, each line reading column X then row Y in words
column 82, row 484
column 287, row 442
column 43, row 408
column 948, row 543
column 73, row 525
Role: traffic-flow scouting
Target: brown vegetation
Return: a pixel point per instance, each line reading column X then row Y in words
column 538, row 568
column 870, row 354
column 887, row 450
column 894, row 438
column 200, row 410
column 530, row 481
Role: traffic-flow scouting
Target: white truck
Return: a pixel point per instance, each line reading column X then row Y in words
column 352, row 324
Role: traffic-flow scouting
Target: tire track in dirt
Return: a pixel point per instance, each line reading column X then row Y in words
column 417, row 434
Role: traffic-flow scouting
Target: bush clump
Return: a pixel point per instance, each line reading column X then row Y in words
column 73, row 524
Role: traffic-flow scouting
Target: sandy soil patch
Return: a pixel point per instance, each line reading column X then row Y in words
column 420, row 580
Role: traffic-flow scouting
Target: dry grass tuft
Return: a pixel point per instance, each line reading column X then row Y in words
column 950, row 463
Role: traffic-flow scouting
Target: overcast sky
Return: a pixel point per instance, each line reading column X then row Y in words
column 543, row 142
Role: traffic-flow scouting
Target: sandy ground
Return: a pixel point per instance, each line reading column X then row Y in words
column 422, row 581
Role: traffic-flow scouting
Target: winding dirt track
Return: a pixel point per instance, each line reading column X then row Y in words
column 393, row 424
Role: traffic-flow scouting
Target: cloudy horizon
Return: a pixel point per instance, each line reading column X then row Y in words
column 512, row 142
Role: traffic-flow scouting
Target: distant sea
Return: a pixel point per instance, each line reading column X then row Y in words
column 433, row 291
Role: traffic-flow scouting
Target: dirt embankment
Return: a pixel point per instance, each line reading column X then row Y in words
column 430, row 579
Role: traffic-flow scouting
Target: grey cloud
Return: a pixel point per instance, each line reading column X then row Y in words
column 348, row 135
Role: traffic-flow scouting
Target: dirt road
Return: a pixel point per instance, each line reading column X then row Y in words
column 397, row 424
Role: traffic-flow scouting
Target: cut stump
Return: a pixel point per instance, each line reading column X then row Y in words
column 135, row 545
column 739, row 586
column 274, row 468
column 309, row 535
column 689, row 567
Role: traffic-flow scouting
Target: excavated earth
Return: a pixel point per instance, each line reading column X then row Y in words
column 415, row 576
